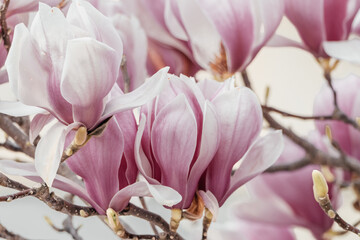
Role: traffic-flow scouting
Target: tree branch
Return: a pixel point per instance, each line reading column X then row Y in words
column 4, row 28
column 4, row 233
column 132, row 210
column 17, row 134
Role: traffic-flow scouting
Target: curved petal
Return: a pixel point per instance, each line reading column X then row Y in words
column 210, row 202
column 28, row 170
column 240, row 120
column 37, row 124
column 98, row 164
column 17, row 109
column 27, row 70
column 308, row 13
column 235, row 23
column 204, row 38
column 163, row 195
column 127, row 123
column 139, row 96
column 135, row 50
column 344, row 50
column 49, row 151
column 210, row 139
column 84, row 15
column 172, row 21
column 261, row 155
column 89, row 73
column 174, row 136
column 141, row 160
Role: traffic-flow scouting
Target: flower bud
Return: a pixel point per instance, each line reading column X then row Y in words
column 320, row 186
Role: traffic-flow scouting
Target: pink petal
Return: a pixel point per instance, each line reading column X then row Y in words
column 204, row 38
column 90, row 71
column 163, row 195
column 135, row 50
column 173, row 136
column 141, row 160
column 27, row 70
column 261, row 155
column 127, row 123
column 138, row 97
column 28, row 170
column 98, row 163
column 235, row 23
column 308, row 13
column 240, row 120
column 49, row 151
column 17, row 109
column 85, row 16
column 210, row 202
column 210, row 139
column 37, row 124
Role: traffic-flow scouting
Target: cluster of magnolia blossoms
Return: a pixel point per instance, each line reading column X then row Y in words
column 189, row 136
column 66, row 66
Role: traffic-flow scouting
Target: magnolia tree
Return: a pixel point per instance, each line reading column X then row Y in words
column 110, row 108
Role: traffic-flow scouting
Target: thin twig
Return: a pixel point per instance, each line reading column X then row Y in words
column 17, row 134
column 4, row 233
column 4, row 28
column 326, row 205
column 292, row 166
column 132, row 210
column 327, row 75
column 10, row 146
column 125, row 74
column 43, row 194
column 315, row 155
column 143, row 204
column 67, row 223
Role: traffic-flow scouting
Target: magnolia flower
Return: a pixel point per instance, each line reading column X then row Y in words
column 222, row 35
column 164, row 48
column 286, row 199
column 68, row 67
column 329, row 21
column 134, row 39
column 17, row 12
column 191, row 130
column 240, row 121
column 107, row 166
column 348, row 96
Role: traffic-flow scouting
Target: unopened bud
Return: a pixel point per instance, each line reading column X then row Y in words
column 328, row 132
column 80, row 136
column 320, row 186
column 357, row 120
column 114, row 222
column 176, row 216
column 83, row 213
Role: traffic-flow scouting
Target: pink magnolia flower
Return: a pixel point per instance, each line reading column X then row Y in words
column 285, row 199
column 17, row 12
column 69, row 66
column 164, row 48
column 191, row 130
column 134, row 39
column 329, row 21
column 107, row 166
column 349, row 102
column 223, row 35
